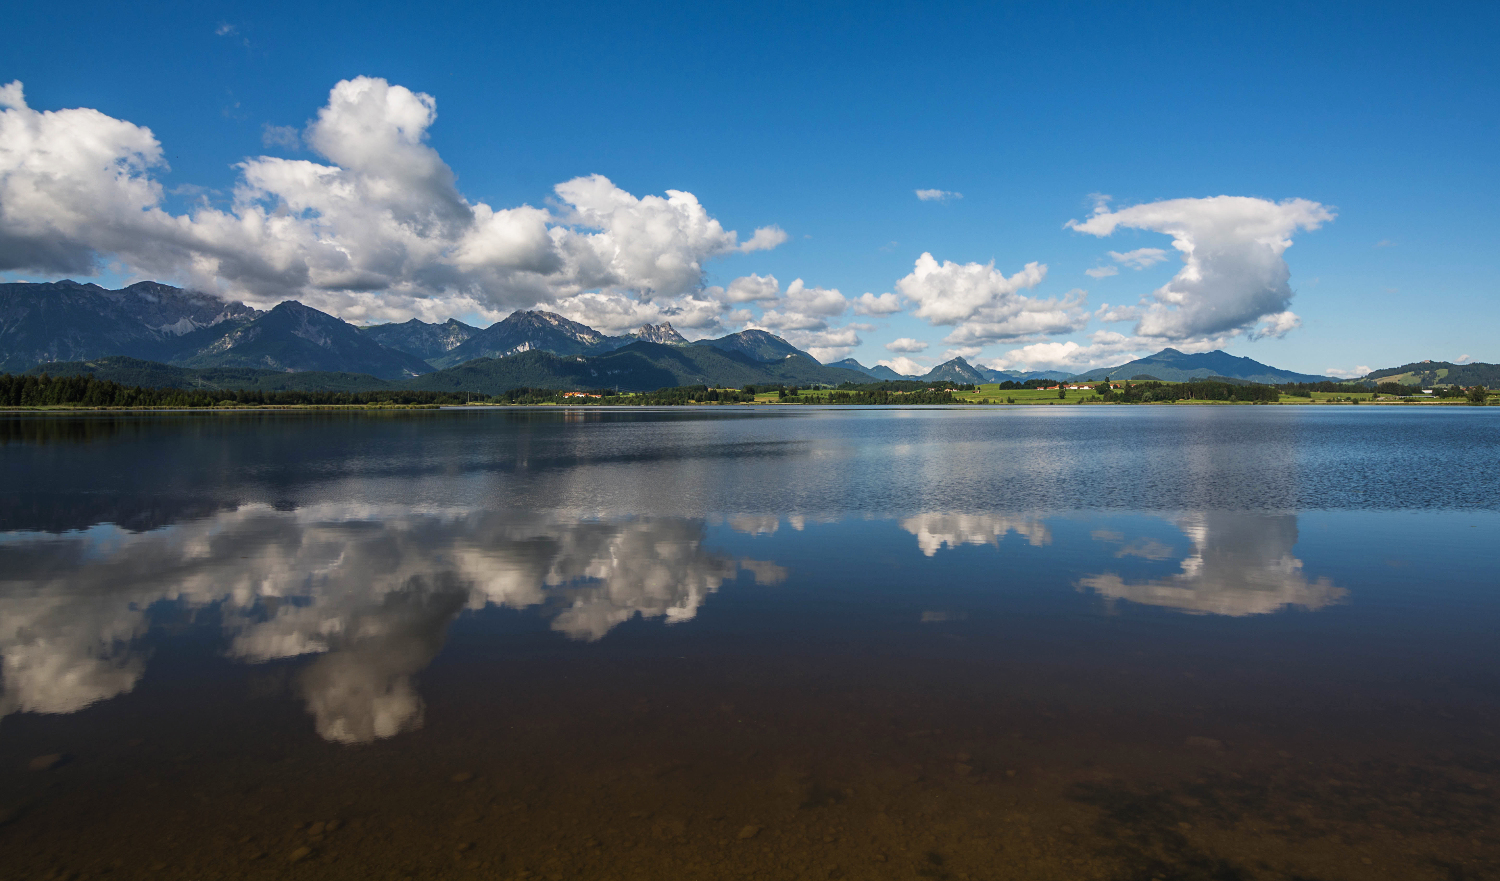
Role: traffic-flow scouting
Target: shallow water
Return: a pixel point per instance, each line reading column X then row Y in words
column 1050, row 643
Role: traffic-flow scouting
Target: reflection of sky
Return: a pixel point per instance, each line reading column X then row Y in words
column 1239, row 564
column 369, row 591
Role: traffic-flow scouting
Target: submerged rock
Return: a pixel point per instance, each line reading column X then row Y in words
column 47, row 762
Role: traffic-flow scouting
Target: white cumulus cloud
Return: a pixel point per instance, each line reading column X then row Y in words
column 1106, row 348
column 1102, row 271
column 985, row 304
column 694, row 316
column 1347, row 373
column 870, row 304
column 751, row 289
column 379, row 214
column 801, row 317
column 764, row 239
column 1277, row 325
column 906, row 344
column 1233, row 274
column 904, row 366
column 814, row 301
column 938, row 195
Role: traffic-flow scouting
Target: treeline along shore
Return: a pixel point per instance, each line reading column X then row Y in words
column 82, row 391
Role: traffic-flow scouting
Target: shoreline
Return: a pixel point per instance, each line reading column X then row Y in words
column 69, row 408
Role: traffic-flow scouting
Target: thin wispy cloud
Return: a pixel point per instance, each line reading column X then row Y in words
column 938, row 195
column 1140, row 258
column 280, row 136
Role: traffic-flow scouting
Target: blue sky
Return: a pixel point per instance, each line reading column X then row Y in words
column 821, row 121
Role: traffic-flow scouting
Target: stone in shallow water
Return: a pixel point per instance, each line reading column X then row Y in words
column 45, row 763
column 669, row 827
column 463, row 777
column 749, row 832
column 299, row 854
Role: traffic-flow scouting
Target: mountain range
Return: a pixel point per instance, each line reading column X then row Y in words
column 65, row 321
column 1174, row 366
column 416, row 337
column 161, row 335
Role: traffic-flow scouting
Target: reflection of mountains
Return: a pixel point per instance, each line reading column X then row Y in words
column 370, row 591
column 1241, row 564
column 145, row 471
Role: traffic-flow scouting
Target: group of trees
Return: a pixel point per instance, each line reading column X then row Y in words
column 1196, row 390
column 1010, row 385
column 695, row 394
column 924, row 395
column 1305, row 389
column 86, row 391
column 903, row 385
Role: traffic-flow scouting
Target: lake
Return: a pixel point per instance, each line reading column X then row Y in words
column 1179, row 642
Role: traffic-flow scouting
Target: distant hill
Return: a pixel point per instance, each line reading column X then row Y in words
column 1435, row 373
column 68, row 321
column 1171, row 365
column 417, row 337
column 879, row 371
column 990, row 374
column 295, row 337
column 1001, row 376
column 758, row 344
column 957, row 370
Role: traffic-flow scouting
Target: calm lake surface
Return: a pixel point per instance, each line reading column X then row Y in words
column 1043, row 643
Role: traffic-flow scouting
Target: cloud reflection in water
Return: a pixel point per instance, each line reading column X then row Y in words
column 933, row 531
column 1240, row 564
column 371, row 591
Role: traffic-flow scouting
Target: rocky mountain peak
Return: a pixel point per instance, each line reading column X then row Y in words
column 663, row 333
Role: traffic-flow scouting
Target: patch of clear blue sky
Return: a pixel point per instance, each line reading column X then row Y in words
column 824, row 118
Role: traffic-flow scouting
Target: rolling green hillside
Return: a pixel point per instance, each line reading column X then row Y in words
column 1436, row 373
